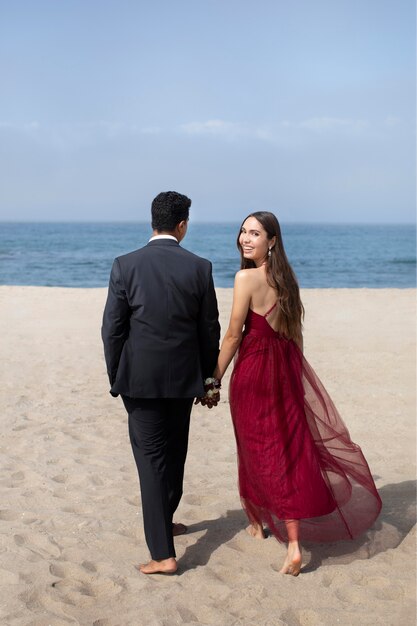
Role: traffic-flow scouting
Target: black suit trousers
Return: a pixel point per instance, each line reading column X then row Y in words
column 158, row 430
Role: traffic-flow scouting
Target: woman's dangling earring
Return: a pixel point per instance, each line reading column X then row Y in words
column 269, row 252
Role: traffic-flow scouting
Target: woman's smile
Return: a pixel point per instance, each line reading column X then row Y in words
column 254, row 240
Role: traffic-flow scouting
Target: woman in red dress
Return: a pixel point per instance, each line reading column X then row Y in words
column 299, row 471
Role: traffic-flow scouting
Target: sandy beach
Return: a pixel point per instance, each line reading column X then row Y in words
column 70, row 517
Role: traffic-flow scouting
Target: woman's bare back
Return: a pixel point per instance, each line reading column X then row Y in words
column 264, row 297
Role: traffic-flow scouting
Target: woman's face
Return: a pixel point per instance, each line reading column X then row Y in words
column 254, row 241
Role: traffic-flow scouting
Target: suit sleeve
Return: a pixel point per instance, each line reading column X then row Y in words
column 115, row 327
column 209, row 328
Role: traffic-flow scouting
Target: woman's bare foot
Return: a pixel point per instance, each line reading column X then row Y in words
column 292, row 563
column 165, row 566
column 256, row 530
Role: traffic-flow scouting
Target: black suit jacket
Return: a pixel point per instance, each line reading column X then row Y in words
column 160, row 325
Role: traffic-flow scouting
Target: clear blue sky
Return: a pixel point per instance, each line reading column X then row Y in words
column 303, row 107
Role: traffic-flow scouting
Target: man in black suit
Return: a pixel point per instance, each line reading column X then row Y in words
column 161, row 340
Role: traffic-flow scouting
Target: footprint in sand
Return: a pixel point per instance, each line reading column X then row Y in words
column 239, row 576
column 31, row 520
column 38, row 600
column 199, row 500
column 60, row 478
column 187, row 616
column 81, row 585
column 68, row 570
column 40, row 546
column 97, row 480
column 62, row 494
column 130, row 532
column 21, row 427
column 90, row 567
column 19, row 540
column 18, row 476
column 377, row 587
column 7, row 515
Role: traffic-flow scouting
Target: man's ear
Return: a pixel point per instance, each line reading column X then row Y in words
column 182, row 228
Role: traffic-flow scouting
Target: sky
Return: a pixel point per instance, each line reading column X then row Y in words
column 305, row 108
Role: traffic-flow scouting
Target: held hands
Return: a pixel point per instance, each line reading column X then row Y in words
column 212, row 393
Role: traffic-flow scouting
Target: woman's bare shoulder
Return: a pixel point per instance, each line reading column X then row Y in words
column 249, row 274
column 254, row 276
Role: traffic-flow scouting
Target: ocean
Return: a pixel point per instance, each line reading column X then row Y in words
column 322, row 255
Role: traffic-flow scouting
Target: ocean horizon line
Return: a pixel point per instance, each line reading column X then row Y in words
column 203, row 222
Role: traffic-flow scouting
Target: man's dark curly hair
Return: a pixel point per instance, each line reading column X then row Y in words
column 169, row 208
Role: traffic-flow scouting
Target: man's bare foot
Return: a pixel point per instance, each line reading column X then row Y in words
column 165, row 566
column 292, row 563
column 256, row 530
column 179, row 529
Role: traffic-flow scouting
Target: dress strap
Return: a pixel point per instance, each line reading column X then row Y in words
column 271, row 309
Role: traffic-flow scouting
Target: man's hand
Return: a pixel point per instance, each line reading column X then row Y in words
column 212, row 393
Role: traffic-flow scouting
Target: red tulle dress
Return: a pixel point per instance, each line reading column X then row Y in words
column 296, row 459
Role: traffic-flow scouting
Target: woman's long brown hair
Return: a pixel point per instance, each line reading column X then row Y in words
column 280, row 275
